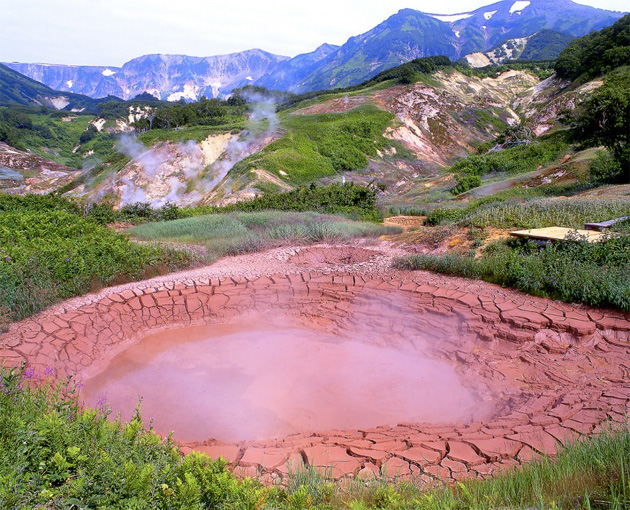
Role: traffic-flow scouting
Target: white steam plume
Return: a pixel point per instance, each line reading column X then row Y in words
column 262, row 122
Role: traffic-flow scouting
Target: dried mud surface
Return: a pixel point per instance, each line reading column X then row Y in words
column 554, row 372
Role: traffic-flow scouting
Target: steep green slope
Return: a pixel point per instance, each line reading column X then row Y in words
column 15, row 88
column 317, row 146
column 598, row 52
column 546, row 45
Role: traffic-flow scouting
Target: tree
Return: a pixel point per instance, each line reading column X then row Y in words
column 606, row 121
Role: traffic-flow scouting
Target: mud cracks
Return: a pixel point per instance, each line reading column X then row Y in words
column 552, row 372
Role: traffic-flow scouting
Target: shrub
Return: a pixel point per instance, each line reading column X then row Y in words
column 49, row 253
column 466, row 183
column 573, row 271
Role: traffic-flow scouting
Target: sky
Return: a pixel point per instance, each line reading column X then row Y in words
column 112, row 32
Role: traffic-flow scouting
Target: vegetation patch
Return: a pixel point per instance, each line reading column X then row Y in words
column 596, row 53
column 573, row 270
column 49, row 251
column 318, row 146
column 512, row 161
column 241, row 232
column 57, row 454
column 565, row 212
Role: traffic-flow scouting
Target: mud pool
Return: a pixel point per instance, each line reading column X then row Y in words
column 461, row 379
column 251, row 380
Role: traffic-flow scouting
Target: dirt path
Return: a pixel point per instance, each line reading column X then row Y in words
column 549, row 371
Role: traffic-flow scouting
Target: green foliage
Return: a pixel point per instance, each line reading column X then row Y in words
column 573, row 271
column 49, row 251
column 440, row 215
column 537, row 213
column 352, row 199
column 605, row 120
column 88, row 134
column 54, row 134
column 605, row 169
column 514, row 160
column 245, row 232
column 546, row 45
column 539, row 68
column 466, row 183
column 69, row 457
column 598, row 52
column 17, row 89
column 321, row 145
column 203, row 112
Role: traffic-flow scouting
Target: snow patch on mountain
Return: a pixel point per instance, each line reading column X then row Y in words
column 489, row 14
column 69, row 83
column 59, row 102
column 108, row 72
column 451, row 18
column 457, row 33
column 519, row 6
column 189, row 92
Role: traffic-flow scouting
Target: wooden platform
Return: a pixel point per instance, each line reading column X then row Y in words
column 604, row 224
column 554, row 234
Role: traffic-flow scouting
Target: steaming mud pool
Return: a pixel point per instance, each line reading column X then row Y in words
column 252, row 380
column 325, row 356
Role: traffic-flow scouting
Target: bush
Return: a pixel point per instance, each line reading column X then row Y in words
column 466, row 183
column 48, row 253
column 514, row 160
column 605, row 169
column 574, row 271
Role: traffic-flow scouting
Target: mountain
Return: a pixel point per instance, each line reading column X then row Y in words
column 16, row 88
column 412, row 34
column 169, row 77
column 407, row 35
column 287, row 73
column 544, row 45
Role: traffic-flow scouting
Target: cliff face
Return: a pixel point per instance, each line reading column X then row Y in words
column 169, row 77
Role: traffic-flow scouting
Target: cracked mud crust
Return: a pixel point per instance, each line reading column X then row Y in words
column 564, row 368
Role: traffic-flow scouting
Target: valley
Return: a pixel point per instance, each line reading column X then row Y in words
column 292, row 283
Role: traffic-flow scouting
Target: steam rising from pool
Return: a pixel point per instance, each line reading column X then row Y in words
column 252, row 381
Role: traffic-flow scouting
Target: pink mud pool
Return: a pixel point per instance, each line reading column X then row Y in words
column 327, row 357
column 255, row 380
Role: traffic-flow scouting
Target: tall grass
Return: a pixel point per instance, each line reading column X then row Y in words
column 565, row 212
column 234, row 233
column 597, row 274
column 49, row 253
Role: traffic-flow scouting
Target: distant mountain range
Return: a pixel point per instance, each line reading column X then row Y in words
column 168, row 77
column 16, row 88
column 406, row 35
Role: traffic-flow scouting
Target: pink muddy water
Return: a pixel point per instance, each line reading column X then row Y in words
column 251, row 381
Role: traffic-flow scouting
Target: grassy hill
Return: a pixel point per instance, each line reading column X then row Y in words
column 15, row 88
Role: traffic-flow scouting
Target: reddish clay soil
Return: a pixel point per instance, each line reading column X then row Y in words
column 544, row 372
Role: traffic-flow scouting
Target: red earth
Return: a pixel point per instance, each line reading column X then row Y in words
column 537, row 373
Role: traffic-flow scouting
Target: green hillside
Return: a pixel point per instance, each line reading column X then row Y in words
column 15, row 88
column 598, row 52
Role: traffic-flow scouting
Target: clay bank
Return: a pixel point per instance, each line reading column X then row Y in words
column 325, row 357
